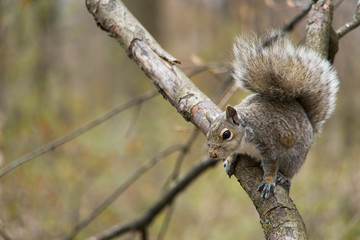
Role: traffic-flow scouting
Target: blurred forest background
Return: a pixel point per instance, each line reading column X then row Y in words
column 58, row 70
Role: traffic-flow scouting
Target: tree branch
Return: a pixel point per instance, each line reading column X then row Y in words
column 290, row 25
column 4, row 235
column 143, row 221
column 102, row 206
column 352, row 24
column 64, row 139
column 318, row 29
column 321, row 37
column 113, row 17
column 278, row 214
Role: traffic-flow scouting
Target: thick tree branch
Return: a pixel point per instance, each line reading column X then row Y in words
column 321, row 36
column 174, row 85
column 278, row 214
column 113, row 17
column 319, row 27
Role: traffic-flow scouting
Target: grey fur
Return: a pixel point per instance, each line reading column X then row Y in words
column 285, row 72
column 294, row 93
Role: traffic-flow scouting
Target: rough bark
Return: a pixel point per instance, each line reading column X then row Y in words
column 279, row 217
column 318, row 29
column 113, row 17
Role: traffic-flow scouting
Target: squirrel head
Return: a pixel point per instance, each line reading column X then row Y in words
column 225, row 134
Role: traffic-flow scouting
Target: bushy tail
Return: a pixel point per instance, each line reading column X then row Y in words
column 279, row 70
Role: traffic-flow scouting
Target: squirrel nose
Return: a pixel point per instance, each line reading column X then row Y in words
column 213, row 154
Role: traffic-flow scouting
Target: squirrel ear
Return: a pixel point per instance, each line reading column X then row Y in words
column 232, row 115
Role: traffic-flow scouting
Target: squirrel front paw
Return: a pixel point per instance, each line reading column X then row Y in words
column 229, row 166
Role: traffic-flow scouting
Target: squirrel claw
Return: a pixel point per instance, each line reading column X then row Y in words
column 266, row 189
column 229, row 167
column 282, row 180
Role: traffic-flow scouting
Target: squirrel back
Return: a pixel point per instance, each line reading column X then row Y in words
column 281, row 71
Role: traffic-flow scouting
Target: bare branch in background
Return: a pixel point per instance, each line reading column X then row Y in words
column 64, row 139
column 288, row 27
column 354, row 23
column 133, row 119
column 174, row 176
column 109, row 200
column 3, row 234
column 143, row 221
column 336, row 35
column 166, row 222
column 291, row 24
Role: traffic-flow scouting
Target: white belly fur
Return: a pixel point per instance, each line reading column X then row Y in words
column 250, row 149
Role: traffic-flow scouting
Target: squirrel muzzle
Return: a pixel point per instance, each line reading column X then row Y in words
column 214, row 153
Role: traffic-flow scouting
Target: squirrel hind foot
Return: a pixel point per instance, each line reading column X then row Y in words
column 267, row 189
column 282, row 180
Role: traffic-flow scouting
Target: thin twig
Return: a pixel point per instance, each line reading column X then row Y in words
column 351, row 229
column 210, row 67
column 179, row 160
column 226, row 91
column 133, row 119
column 290, row 25
column 164, row 201
column 354, row 23
column 144, row 234
column 138, row 173
column 4, row 235
column 173, row 178
column 54, row 144
column 166, row 222
column 197, row 70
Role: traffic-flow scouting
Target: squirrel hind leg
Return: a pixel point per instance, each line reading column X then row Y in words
column 282, row 180
column 268, row 185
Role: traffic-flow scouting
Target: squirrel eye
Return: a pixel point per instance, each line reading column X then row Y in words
column 226, row 134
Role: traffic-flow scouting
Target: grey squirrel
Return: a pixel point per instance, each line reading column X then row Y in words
column 294, row 93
